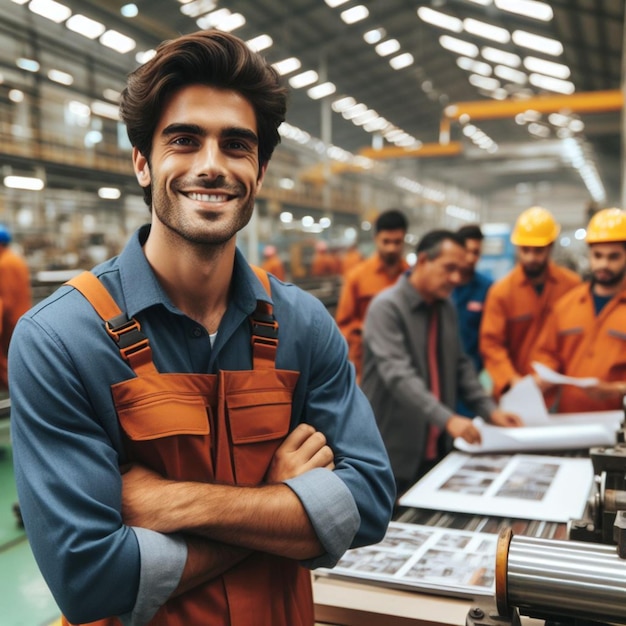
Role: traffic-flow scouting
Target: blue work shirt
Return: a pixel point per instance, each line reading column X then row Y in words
column 68, row 444
column 469, row 300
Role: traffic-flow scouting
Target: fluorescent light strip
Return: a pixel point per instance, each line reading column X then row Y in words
column 321, row 91
column 27, row 183
column 442, row 20
column 557, row 70
column 85, row 26
column 60, row 77
column 537, row 42
column 286, row 66
column 401, row 61
column 51, row 10
column 261, row 42
column 527, row 8
column 304, row 79
column 354, row 14
column 500, row 56
column 117, row 41
column 552, row 84
column 459, row 46
column 508, row 73
column 488, row 31
column 388, row 47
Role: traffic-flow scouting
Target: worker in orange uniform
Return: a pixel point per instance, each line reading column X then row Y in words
column 15, row 296
column 323, row 263
column 585, row 335
column 518, row 304
column 350, row 259
column 272, row 263
column 369, row 278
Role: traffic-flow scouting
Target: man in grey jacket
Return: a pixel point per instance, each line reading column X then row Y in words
column 414, row 367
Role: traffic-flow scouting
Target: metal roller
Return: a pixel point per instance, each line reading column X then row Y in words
column 550, row 578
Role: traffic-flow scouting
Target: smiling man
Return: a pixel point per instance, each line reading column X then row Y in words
column 188, row 435
column 585, row 335
column 414, row 367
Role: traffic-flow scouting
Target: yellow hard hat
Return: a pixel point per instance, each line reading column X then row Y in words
column 607, row 225
column 535, row 227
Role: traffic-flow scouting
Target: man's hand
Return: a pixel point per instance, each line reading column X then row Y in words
column 504, row 418
column 459, row 426
column 605, row 390
column 302, row 450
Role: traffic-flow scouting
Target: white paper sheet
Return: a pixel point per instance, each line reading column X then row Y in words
column 519, row 486
column 526, row 400
column 444, row 561
column 550, row 376
column 556, row 434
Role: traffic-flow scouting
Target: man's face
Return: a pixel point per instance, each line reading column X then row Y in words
column 204, row 167
column 390, row 245
column 473, row 248
column 533, row 259
column 442, row 274
column 608, row 263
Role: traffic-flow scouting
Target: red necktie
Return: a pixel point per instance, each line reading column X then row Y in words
column 433, row 369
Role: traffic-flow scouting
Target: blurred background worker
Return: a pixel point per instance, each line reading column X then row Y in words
column 272, row 263
column 517, row 305
column 585, row 335
column 469, row 297
column 324, row 262
column 414, row 367
column 369, row 278
column 351, row 258
column 15, row 296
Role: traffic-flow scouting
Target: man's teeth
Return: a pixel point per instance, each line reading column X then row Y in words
column 208, row 197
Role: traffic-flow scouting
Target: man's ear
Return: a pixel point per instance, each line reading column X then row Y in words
column 141, row 167
column 261, row 176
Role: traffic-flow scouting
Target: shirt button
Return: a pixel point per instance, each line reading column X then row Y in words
column 197, row 332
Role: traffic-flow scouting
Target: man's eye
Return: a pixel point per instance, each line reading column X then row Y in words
column 182, row 141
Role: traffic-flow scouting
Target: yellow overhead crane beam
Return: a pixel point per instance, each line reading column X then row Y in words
column 426, row 150
column 591, row 102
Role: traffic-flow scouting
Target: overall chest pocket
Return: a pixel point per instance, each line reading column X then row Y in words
column 258, row 415
column 167, row 423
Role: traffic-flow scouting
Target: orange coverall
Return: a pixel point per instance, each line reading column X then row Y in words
column 164, row 419
column 513, row 317
column 15, row 295
column 577, row 343
column 361, row 284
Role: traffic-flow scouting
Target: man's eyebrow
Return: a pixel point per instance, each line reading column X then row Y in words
column 195, row 129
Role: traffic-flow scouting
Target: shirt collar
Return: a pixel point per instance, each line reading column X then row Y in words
column 142, row 289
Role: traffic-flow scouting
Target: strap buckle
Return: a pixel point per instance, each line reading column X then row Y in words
column 127, row 334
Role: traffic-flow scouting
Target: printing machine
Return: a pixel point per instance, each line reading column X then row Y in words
column 580, row 581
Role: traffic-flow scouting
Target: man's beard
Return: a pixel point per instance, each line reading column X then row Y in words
column 614, row 279
column 535, row 271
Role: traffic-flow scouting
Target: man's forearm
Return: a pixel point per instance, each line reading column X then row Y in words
column 207, row 559
column 269, row 518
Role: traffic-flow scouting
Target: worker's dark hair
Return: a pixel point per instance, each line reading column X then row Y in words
column 470, row 231
column 208, row 57
column 432, row 241
column 392, row 219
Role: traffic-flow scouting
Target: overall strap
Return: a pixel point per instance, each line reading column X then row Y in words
column 133, row 344
column 264, row 328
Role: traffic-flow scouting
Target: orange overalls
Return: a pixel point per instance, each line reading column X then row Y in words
column 211, row 428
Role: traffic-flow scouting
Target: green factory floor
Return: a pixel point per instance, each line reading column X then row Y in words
column 24, row 596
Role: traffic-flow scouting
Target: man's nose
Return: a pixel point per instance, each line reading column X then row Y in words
column 210, row 161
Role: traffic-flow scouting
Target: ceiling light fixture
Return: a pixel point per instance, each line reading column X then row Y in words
column 27, row 183
column 260, row 42
column 552, row 84
column 60, row 77
column 375, row 35
column 557, row 70
column 129, row 10
column 500, row 56
column 488, row 31
column 388, row 47
column 109, row 193
column 471, row 65
column 343, row 104
column 105, row 109
column 117, row 41
column 401, row 61
column 508, row 73
column 286, row 66
column 322, row 90
column 50, row 9
column 143, row 56
column 459, row 46
column 442, row 20
column 354, row 14
column 335, row 3
column 483, row 82
column 527, row 8
column 28, row 65
column 85, row 26
column 304, row 79
column 197, row 8
column 537, row 42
